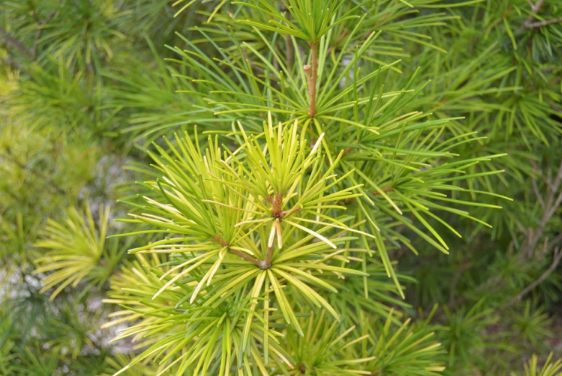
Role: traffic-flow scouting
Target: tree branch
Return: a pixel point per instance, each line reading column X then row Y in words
column 538, row 281
column 218, row 239
column 535, row 8
column 550, row 204
column 312, row 77
column 387, row 189
column 266, row 264
column 9, row 40
column 537, row 193
column 245, row 256
column 544, row 23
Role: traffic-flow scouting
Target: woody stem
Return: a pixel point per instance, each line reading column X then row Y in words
column 312, row 78
column 246, row 257
column 224, row 243
column 268, row 256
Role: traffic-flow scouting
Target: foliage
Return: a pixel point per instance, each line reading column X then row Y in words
column 77, row 251
column 323, row 187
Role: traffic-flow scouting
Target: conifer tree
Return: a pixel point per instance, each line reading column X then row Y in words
column 280, row 187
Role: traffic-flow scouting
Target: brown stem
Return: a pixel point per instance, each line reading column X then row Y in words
column 312, row 77
column 285, row 213
column 538, row 281
column 221, row 241
column 349, row 201
column 245, row 257
column 552, row 202
column 224, row 243
column 14, row 43
column 276, row 205
column 268, row 256
column 535, row 8
column 349, row 150
column 544, row 23
column 537, row 193
column 387, row 189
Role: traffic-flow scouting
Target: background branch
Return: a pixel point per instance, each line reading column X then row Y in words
column 10, row 41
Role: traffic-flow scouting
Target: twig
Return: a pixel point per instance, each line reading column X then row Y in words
column 387, row 189
column 538, row 281
column 537, row 169
column 245, row 256
column 218, row 239
column 14, row 43
column 551, row 202
column 537, row 193
column 555, row 206
column 544, row 23
column 535, row 8
column 266, row 264
column 496, row 283
column 312, row 77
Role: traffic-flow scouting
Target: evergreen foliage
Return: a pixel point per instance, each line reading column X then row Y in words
column 280, row 187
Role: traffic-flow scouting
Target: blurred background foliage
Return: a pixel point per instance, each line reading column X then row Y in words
column 87, row 85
